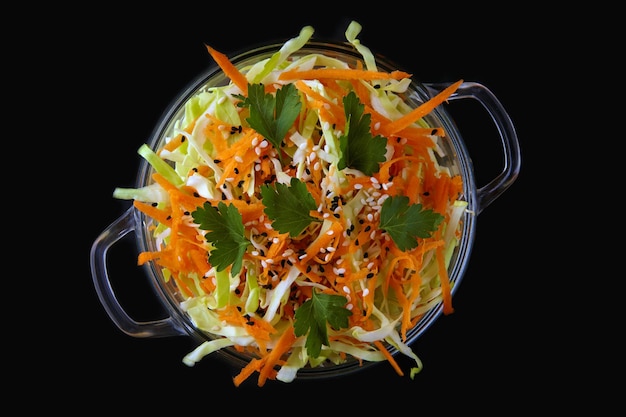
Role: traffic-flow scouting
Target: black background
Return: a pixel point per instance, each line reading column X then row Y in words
column 127, row 70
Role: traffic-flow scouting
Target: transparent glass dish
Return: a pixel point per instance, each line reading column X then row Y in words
column 458, row 161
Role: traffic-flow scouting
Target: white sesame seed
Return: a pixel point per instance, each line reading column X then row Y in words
column 330, row 249
column 257, row 150
column 373, row 180
column 349, row 306
column 358, row 186
column 263, row 144
column 275, row 240
column 366, row 292
column 255, row 141
column 370, row 217
column 370, row 265
column 330, row 232
column 346, row 289
column 238, row 158
column 269, row 261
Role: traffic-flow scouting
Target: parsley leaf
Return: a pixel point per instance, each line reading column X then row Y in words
column 405, row 222
column 313, row 316
column 225, row 234
column 359, row 149
column 272, row 116
column 288, row 206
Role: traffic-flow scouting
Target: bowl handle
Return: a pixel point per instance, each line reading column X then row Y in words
column 510, row 144
column 158, row 328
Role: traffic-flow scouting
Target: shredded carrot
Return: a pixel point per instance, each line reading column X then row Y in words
column 389, row 357
column 265, row 365
column 229, row 69
column 341, row 74
column 419, row 112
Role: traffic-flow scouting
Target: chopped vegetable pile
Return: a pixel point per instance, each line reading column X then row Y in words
column 301, row 212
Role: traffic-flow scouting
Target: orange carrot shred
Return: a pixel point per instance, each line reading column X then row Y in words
column 229, row 69
column 389, row 357
column 419, row 111
column 341, row 74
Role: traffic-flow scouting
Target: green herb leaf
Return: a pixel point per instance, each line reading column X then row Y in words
column 288, row 206
column 272, row 115
column 359, row 149
column 315, row 315
column 226, row 234
column 405, row 223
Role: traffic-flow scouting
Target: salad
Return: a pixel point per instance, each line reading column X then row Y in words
column 301, row 211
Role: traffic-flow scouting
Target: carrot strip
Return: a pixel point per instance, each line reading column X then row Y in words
column 341, row 74
column 229, row 69
column 251, row 367
column 389, row 357
column 285, row 342
column 420, row 111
